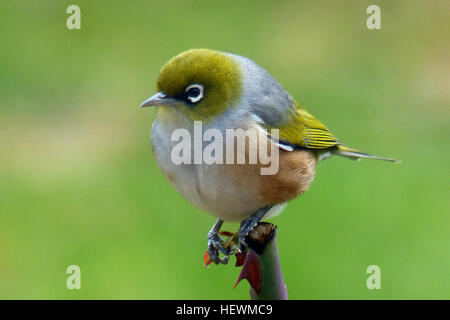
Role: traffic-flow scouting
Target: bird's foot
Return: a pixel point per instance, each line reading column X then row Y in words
column 248, row 225
column 218, row 246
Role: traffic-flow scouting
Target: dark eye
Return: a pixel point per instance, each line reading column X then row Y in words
column 194, row 93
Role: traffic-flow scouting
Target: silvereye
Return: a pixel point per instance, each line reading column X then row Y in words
column 227, row 91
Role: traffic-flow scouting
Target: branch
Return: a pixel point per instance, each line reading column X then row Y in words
column 261, row 266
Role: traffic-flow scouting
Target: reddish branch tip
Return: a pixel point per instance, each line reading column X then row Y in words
column 251, row 271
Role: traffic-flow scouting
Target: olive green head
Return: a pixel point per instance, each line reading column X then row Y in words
column 201, row 83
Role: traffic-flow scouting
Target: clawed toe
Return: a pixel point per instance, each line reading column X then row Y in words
column 217, row 246
column 249, row 224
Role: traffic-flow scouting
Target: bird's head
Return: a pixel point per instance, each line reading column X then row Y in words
column 201, row 83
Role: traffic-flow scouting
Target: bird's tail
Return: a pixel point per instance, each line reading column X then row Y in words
column 357, row 155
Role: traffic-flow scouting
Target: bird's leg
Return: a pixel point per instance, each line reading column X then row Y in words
column 215, row 245
column 249, row 224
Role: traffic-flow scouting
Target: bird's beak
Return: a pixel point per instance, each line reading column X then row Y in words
column 159, row 99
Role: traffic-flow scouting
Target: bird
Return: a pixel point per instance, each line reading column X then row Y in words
column 225, row 91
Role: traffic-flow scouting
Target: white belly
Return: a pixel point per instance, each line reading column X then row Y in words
column 208, row 187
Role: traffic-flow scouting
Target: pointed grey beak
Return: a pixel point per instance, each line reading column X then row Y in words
column 159, row 99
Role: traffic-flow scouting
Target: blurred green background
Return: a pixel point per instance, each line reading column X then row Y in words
column 79, row 184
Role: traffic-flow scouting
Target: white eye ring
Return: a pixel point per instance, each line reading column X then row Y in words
column 198, row 97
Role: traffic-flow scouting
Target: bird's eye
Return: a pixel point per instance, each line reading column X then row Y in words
column 194, row 93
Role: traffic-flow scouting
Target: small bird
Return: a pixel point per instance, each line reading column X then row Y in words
column 227, row 91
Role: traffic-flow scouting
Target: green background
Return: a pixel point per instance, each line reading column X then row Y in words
column 79, row 184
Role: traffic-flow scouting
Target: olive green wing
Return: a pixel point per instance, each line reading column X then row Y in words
column 303, row 130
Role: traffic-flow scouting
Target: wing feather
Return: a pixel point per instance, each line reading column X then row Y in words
column 303, row 130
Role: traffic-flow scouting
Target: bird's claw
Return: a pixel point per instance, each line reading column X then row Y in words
column 242, row 243
column 246, row 227
column 217, row 246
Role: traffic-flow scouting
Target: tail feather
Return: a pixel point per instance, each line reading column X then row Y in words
column 357, row 155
